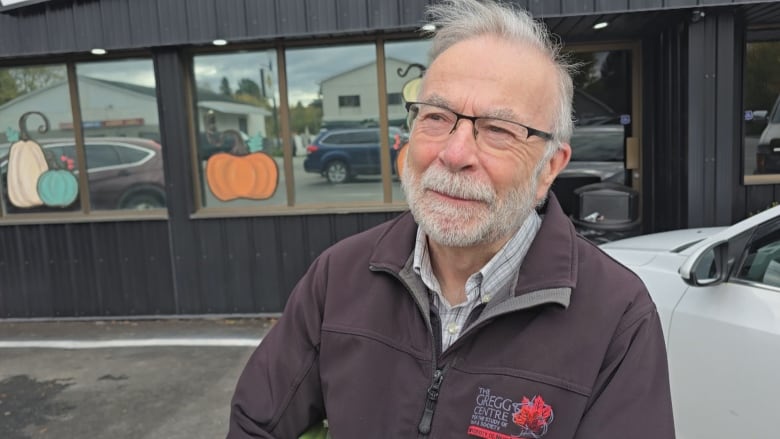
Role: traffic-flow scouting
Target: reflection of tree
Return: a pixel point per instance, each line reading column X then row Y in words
column 762, row 75
column 224, row 87
column 18, row 81
column 605, row 77
column 309, row 117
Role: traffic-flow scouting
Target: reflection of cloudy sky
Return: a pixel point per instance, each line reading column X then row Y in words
column 306, row 67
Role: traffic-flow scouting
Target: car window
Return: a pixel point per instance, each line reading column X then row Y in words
column 762, row 261
column 99, row 156
column 131, row 155
column 353, row 138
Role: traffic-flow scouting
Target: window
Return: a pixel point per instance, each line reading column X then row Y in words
column 405, row 62
column 349, row 101
column 761, row 143
column 237, row 124
column 334, row 108
column 394, row 99
column 25, row 158
column 118, row 101
column 762, row 263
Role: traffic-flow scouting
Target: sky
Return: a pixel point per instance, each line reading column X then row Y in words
column 306, row 67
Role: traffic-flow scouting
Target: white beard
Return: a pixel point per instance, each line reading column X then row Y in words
column 489, row 220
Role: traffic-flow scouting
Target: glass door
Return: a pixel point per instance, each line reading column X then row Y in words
column 599, row 188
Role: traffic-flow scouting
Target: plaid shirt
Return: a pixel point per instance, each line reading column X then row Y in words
column 496, row 278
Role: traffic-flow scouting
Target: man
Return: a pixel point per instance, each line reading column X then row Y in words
column 481, row 313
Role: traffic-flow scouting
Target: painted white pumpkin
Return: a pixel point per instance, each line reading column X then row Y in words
column 26, row 163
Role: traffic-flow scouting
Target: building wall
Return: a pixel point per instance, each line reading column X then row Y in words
column 186, row 263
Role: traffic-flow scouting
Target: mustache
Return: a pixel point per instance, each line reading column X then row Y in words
column 457, row 185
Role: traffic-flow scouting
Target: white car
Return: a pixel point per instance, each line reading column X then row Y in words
column 718, row 294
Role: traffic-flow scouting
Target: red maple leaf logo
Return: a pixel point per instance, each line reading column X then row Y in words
column 534, row 416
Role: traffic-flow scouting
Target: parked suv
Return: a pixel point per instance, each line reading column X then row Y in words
column 340, row 155
column 123, row 172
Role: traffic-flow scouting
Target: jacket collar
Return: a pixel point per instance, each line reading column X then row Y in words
column 550, row 264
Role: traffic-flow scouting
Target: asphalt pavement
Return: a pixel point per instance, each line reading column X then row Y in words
column 139, row 379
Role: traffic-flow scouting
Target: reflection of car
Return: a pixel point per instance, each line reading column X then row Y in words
column 768, row 150
column 342, row 154
column 123, row 172
column 597, row 151
column 717, row 291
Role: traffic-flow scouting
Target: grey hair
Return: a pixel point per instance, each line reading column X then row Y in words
column 460, row 20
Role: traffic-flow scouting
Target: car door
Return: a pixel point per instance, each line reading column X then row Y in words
column 724, row 345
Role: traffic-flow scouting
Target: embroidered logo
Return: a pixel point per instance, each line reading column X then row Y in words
column 534, row 417
column 497, row 417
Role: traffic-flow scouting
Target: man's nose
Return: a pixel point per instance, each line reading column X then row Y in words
column 460, row 149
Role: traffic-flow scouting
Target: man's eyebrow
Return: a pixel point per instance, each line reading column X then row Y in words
column 502, row 113
column 438, row 100
column 506, row 114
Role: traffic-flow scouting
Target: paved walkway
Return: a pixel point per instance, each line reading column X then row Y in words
column 169, row 379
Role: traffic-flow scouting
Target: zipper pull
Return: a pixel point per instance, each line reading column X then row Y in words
column 430, row 403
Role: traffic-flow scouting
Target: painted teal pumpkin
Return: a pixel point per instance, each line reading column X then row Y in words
column 58, row 188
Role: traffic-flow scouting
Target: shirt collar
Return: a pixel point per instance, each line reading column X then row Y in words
column 498, row 271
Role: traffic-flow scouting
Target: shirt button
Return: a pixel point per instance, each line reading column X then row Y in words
column 485, row 298
column 453, row 328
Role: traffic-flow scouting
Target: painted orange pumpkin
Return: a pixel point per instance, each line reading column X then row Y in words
column 26, row 163
column 400, row 159
column 254, row 176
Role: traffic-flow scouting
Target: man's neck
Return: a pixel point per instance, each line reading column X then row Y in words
column 452, row 266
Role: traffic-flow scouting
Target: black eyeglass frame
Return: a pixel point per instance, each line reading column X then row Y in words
column 458, row 116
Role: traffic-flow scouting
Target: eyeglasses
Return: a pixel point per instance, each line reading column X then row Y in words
column 437, row 123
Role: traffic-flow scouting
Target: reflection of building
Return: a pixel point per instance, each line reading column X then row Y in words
column 111, row 108
column 108, row 109
column 351, row 97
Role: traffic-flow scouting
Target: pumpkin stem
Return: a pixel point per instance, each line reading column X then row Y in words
column 23, row 124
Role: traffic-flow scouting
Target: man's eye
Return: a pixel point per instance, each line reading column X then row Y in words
column 433, row 116
column 498, row 130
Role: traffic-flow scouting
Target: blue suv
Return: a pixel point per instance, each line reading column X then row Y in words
column 340, row 155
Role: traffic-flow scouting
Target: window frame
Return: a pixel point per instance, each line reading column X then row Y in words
column 85, row 213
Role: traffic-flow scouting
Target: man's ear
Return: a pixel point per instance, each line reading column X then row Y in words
column 552, row 168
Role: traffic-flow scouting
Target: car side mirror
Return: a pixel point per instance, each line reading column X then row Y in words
column 707, row 266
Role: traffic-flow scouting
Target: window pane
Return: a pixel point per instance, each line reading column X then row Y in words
column 602, row 112
column 28, row 155
column 762, row 112
column 334, row 109
column 239, row 152
column 406, row 58
column 118, row 102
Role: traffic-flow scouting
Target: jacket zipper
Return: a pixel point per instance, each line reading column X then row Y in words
column 430, row 403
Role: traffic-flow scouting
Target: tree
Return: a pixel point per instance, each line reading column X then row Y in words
column 302, row 117
column 224, row 87
column 248, row 87
column 8, row 89
column 29, row 79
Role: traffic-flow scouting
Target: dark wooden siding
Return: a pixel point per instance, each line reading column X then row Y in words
column 232, row 265
column 85, row 269
column 78, row 26
column 664, row 156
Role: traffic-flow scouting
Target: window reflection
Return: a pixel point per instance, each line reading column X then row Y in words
column 118, row 101
column 404, row 62
column 27, row 154
column 334, row 111
column 762, row 112
column 602, row 114
column 238, row 148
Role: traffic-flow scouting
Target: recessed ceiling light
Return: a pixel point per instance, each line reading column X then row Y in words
column 429, row 27
column 98, row 51
column 219, row 42
column 600, row 25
